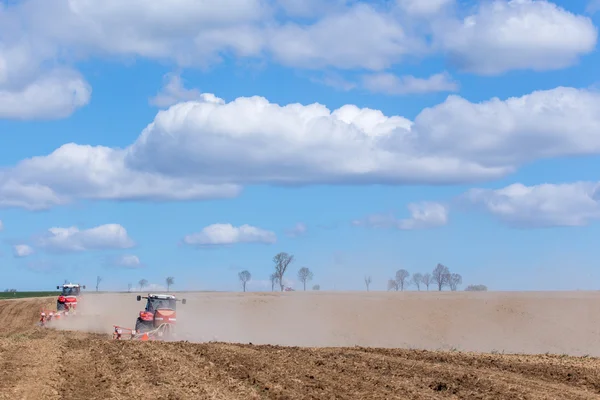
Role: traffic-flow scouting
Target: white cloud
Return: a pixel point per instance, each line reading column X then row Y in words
column 94, row 172
column 209, row 148
column 517, row 34
column 378, row 41
column 226, row 234
column 41, row 39
column 109, row 236
column 174, row 92
column 545, row 205
column 423, row 7
column 1, row 226
column 56, row 95
column 298, row 230
column 593, row 6
column 391, row 84
column 22, row 250
column 126, row 261
column 424, row 215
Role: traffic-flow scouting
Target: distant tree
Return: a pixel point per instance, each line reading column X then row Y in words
column 143, row 283
column 274, row 280
column 367, row 282
column 440, row 276
column 282, row 261
column 304, row 274
column 454, row 280
column 317, row 287
column 169, row 281
column 426, row 280
column 98, row 280
column 129, row 286
column 244, row 277
column 392, row 284
column 476, row 288
column 402, row 278
column 417, row 279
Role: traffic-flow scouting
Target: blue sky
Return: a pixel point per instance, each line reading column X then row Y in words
column 138, row 141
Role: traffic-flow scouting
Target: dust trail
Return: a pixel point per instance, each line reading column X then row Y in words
column 517, row 322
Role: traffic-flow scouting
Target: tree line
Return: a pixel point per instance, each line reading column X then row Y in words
column 440, row 278
column 281, row 263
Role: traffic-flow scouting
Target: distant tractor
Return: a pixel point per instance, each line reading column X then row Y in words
column 68, row 298
column 160, row 311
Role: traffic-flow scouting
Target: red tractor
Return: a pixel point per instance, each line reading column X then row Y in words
column 160, row 312
column 67, row 300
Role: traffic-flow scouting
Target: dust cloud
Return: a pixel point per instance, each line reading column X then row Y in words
column 512, row 322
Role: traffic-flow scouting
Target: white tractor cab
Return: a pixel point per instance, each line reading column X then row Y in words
column 160, row 309
column 67, row 299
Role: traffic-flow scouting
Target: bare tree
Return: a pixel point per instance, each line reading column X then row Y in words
column 143, row 283
column 417, row 279
column 98, row 280
column 169, row 281
column 244, row 277
column 304, row 274
column 274, row 281
column 476, row 288
column 454, row 280
column 129, row 286
column 367, row 282
column 426, row 280
column 440, row 276
column 392, row 284
column 402, row 278
column 317, row 287
column 282, row 261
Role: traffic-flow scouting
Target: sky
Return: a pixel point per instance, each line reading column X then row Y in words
column 146, row 139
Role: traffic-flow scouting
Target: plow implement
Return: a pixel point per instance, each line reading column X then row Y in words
column 49, row 316
column 162, row 332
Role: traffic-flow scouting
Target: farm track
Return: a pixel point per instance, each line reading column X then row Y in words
column 44, row 364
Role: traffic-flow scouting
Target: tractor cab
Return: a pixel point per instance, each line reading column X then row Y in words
column 160, row 309
column 67, row 299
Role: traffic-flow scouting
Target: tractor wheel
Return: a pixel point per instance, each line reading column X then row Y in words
column 142, row 326
column 60, row 306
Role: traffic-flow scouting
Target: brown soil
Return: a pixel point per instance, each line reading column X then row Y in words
column 41, row 363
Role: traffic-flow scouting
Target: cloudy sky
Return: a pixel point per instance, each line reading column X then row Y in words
column 143, row 139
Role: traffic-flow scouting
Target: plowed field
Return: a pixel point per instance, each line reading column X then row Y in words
column 38, row 363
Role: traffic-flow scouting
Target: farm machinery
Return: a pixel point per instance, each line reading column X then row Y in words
column 155, row 322
column 66, row 303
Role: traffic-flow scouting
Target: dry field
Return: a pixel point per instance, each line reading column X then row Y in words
column 313, row 346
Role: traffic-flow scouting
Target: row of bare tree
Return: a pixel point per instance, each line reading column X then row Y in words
column 282, row 261
column 440, row 278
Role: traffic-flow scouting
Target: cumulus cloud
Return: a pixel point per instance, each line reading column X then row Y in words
column 40, row 40
column 378, row 41
column 422, row 8
column 391, row 84
column 103, row 237
column 424, row 215
column 227, row 234
column 210, row 148
column 22, row 250
column 593, row 6
column 125, row 261
column 515, row 35
column 174, row 92
column 298, row 230
column 94, row 172
column 538, row 206
column 56, row 95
